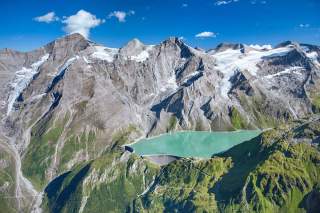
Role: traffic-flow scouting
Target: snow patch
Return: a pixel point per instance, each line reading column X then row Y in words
column 22, row 79
column 261, row 47
column 291, row 70
column 170, row 84
column 142, row 56
column 104, row 53
column 37, row 97
column 314, row 57
column 231, row 61
column 67, row 64
column 305, row 48
column 190, row 76
column 86, row 60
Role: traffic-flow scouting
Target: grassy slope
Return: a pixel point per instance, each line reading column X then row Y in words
column 110, row 182
column 266, row 174
column 315, row 99
column 123, row 183
column 38, row 156
column 74, row 144
column 236, row 119
column 184, row 186
column 7, row 183
column 283, row 175
column 108, row 186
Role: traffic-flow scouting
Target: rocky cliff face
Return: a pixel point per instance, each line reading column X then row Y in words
column 73, row 100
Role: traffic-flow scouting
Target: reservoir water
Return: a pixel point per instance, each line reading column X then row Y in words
column 192, row 143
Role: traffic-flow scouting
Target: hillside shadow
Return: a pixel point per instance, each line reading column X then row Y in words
column 60, row 191
column 311, row 201
column 246, row 157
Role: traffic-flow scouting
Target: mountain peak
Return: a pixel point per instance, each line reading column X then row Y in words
column 133, row 47
column 74, row 36
column 134, row 43
column 224, row 46
column 173, row 40
column 67, row 45
column 287, row 43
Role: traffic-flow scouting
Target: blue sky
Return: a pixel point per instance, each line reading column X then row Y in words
column 151, row 21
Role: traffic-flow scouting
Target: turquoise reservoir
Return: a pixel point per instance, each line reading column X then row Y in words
column 192, row 143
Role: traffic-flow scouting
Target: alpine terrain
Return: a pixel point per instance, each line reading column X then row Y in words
column 69, row 108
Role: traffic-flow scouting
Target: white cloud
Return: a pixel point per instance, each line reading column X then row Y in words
column 131, row 12
column 257, row 2
column 304, row 25
column 206, row 34
column 47, row 18
column 82, row 22
column 121, row 15
column 219, row 3
column 184, row 5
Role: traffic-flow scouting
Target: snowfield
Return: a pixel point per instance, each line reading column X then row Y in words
column 230, row 61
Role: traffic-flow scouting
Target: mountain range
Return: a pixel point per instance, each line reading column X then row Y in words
column 68, row 108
